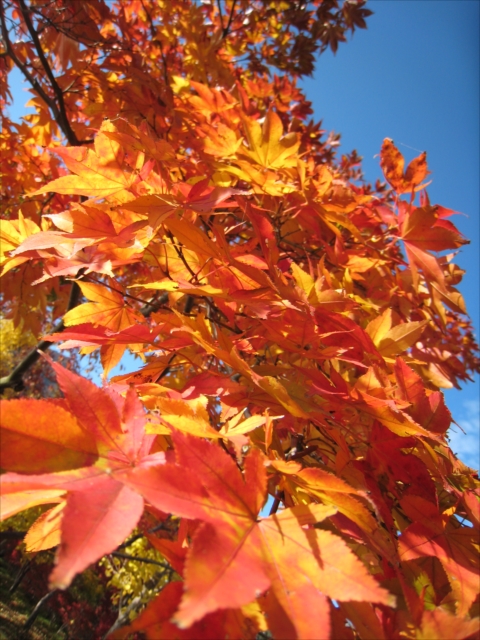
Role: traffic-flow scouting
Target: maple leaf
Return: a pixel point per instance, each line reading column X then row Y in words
column 427, row 231
column 267, row 146
column 423, row 230
column 31, row 445
column 441, row 625
column 98, row 173
column 235, row 556
column 330, row 490
column 392, row 163
column 12, row 234
column 393, row 340
column 429, row 411
column 13, row 503
column 220, row 141
column 99, row 511
column 107, row 308
column 45, row 532
column 199, row 197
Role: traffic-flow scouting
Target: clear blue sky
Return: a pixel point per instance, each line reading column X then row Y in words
column 412, row 76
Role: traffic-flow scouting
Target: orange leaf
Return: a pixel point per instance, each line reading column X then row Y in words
column 392, row 163
column 99, row 172
column 108, row 308
column 439, row 624
column 40, row 437
column 12, row 503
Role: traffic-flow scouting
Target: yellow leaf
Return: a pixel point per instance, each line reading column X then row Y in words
column 401, row 337
column 246, row 426
column 276, row 389
column 107, row 309
column 188, row 416
column 110, row 355
column 266, row 145
column 157, row 207
column 192, row 237
column 378, row 328
column 98, row 173
column 303, row 279
column 45, row 532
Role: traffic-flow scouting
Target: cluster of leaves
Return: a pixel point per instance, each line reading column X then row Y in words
column 13, row 345
column 295, row 323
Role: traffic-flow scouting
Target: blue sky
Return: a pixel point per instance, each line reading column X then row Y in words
column 412, row 76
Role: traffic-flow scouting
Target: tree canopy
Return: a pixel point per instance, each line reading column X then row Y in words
column 172, row 197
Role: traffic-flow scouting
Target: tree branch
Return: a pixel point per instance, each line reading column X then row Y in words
column 31, row 79
column 276, row 503
column 219, row 5
column 126, row 556
column 226, row 30
column 33, row 616
column 60, row 112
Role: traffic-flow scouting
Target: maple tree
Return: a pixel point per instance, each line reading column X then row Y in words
column 170, row 197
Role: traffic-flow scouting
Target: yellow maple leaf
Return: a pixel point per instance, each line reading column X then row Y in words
column 267, row 146
column 107, row 308
column 98, row 173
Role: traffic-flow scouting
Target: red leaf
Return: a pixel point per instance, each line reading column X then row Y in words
column 94, row 523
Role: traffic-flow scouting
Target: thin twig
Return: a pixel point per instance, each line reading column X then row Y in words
column 180, row 255
column 276, row 503
column 219, row 5
column 155, row 38
column 167, row 368
column 126, row 556
column 24, row 569
column 137, row 536
column 33, row 616
column 226, row 30
column 301, row 454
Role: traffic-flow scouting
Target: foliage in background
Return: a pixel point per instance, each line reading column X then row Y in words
column 172, row 197
column 16, row 344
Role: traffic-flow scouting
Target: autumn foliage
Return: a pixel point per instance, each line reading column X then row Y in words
column 172, row 198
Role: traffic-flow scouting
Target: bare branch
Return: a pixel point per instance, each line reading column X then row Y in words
column 126, row 556
column 33, row 616
column 60, row 112
column 226, row 30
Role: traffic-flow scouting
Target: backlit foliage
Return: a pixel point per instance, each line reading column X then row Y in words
column 12, row 340
column 295, row 323
column 136, row 582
